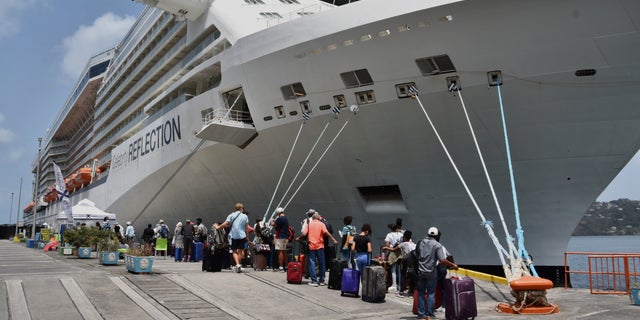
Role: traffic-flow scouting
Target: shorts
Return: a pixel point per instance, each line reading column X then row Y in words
column 238, row 244
column 281, row 244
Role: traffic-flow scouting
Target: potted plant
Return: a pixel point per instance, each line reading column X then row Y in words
column 82, row 238
column 635, row 293
column 108, row 246
column 139, row 259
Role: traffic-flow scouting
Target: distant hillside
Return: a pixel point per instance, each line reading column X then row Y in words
column 618, row 217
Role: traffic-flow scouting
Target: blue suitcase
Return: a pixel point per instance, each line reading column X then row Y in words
column 350, row 282
column 197, row 251
column 178, row 254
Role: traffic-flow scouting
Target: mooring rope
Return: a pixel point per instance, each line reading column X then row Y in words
column 295, row 141
column 304, row 163
column 354, row 109
column 519, row 231
column 512, row 250
column 488, row 225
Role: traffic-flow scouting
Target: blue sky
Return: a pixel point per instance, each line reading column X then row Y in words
column 44, row 47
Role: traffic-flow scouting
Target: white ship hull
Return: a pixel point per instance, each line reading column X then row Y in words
column 569, row 135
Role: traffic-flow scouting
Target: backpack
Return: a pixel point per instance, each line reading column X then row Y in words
column 218, row 238
column 267, row 232
column 291, row 233
column 164, row 231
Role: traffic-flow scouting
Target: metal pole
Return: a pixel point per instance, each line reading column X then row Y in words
column 18, row 213
column 35, row 193
column 11, row 210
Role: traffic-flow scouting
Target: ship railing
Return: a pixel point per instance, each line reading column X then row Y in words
column 312, row 9
column 227, row 116
column 607, row 272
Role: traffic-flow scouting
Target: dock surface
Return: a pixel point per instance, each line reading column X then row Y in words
column 44, row 285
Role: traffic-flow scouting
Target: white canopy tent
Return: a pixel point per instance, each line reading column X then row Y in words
column 87, row 210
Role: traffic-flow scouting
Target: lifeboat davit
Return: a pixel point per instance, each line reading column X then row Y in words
column 83, row 177
column 29, row 207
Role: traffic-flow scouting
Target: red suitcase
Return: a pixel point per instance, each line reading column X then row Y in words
column 460, row 298
column 294, row 272
column 437, row 305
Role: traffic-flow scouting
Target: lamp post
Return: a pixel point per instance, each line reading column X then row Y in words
column 18, row 213
column 35, row 193
column 11, row 210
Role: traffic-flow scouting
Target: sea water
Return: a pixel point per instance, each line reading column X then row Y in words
column 618, row 244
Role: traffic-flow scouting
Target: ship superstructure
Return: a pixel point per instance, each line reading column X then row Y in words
column 198, row 111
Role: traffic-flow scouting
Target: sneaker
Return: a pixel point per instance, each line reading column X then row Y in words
column 238, row 268
column 441, row 309
column 313, row 284
column 399, row 294
column 321, row 283
column 234, row 268
column 391, row 289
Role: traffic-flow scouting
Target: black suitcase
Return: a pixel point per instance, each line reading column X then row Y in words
column 212, row 260
column 374, row 284
column 335, row 273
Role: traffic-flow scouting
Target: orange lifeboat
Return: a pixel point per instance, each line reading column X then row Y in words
column 83, row 177
column 71, row 184
column 29, row 207
column 51, row 196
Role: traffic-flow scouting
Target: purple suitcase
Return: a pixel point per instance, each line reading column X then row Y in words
column 350, row 282
column 460, row 299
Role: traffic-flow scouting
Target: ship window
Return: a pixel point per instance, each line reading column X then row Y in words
column 325, row 107
column 340, row 101
column 254, row 1
column 382, row 199
column 279, row 112
column 271, row 15
column 305, row 106
column 365, row 97
column 293, row 91
column 293, row 113
column 585, row 72
column 435, row 65
column 290, row 1
column 356, row 78
column 267, row 118
column 402, row 90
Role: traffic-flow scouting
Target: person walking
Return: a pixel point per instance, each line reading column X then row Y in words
column 362, row 247
column 282, row 239
column 239, row 223
column 428, row 253
column 187, row 239
column 315, row 232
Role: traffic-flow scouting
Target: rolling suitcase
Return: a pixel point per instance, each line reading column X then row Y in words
column 260, row 261
column 197, row 251
column 294, row 270
column 460, row 298
column 178, row 254
column 438, row 297
column 374, row 284
column 212, row 260
column 350, row 282
column 335, row 273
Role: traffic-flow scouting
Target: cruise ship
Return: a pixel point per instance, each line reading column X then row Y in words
column 205, row 103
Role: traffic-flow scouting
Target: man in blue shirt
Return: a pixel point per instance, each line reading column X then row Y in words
column 282, row 231
column 239, row 223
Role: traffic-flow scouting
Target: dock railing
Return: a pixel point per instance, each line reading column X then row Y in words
column 608, row 272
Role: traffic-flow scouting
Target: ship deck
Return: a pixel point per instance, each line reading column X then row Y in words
column 38, row 285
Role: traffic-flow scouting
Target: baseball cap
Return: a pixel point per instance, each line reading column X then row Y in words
column 128, row 222
column 433, row 231
column 279, row 210
column 310, row 212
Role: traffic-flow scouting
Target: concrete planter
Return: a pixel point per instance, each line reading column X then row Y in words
column 108, row 258
column 84, row 252
column 138, row 264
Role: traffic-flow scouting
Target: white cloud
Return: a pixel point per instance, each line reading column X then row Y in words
column 6, row 135
column 105, row 32
column 9, row 18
